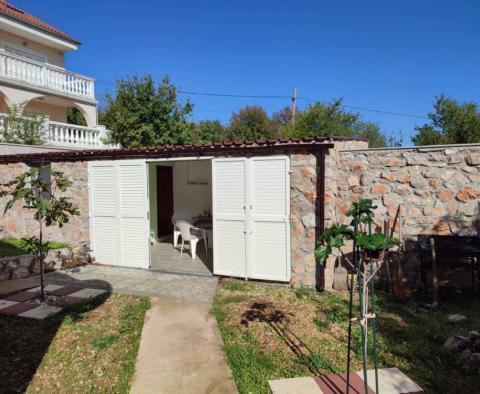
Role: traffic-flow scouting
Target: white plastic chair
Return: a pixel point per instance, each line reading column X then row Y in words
column 187, row 236
column 179, row 215
column 153, row 238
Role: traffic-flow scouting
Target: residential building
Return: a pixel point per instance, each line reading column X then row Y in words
column 33, row 76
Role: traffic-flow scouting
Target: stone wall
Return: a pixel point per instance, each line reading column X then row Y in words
column 304, row 217
column 436, row 190
column 14, row 267
column 306, row 211
column 18, row 221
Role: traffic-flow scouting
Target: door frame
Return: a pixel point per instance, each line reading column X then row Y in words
column 149, row 216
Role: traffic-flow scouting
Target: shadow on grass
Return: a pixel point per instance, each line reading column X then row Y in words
column 264, row 312
column 24, row 341
column 413, row 335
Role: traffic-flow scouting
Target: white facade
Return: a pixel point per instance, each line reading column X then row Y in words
column 33, row 76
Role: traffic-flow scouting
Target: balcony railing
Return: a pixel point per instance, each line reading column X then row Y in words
column 45, row 75
column 68, row 135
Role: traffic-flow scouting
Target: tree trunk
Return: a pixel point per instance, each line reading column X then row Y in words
column 42, row 284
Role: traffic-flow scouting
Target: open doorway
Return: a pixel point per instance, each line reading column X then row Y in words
column 180, row 214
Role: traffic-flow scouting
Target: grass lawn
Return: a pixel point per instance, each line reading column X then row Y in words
column 16, row 247
column 274, row 332
column 90, row 348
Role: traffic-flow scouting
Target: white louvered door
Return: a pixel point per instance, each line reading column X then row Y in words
column 119, row 212
column 251, row 208
column 269, row 218
column 133, row 212
column 229, row 216
column 103, row 200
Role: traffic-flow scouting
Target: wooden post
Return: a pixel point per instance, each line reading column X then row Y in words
column 294, row 104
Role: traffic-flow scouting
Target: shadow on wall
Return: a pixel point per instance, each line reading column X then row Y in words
column 24, row 342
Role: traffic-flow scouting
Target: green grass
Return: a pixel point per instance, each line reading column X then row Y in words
column 92, row 347
column 274, row 332
column 16, row 247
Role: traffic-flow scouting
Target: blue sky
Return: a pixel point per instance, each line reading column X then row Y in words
column 386, row 55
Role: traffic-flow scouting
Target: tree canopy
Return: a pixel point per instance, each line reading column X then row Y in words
column 450, row 123
column 141, row 114
column 208, row 131
column 331, row 119
column 250, row 123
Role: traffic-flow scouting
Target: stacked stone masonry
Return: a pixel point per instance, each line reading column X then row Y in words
column 19, row 222
column 437, row 190
column 434, row 190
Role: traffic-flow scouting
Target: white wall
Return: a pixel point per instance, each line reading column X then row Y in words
column 192, row 197
column 54, row 56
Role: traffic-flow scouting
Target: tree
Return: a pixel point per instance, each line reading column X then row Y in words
column 74, row 116
column 23, row 127
column 250, row 123
column 450, row 123
column 39, row 195
column 368, row 249
column 281, row 118
column 330, row 119
column 141, row 114
column 208, row 131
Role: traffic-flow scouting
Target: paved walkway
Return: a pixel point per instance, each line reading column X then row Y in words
column 140, row 282
column 181, row 351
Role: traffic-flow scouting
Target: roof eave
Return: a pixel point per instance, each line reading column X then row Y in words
column 64, row 37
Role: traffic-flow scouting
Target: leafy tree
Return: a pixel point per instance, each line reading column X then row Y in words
column 38, row 194
column 330, row 119
column 74, row 116
column 281, row 118
column 450, row 123
column 359, row 231
column 24, row 127
column 208, row 131
column 141, row 114
column 250, row 123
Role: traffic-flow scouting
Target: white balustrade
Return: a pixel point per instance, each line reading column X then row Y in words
column 45, row 75
column 64, row 134
column 69, row 135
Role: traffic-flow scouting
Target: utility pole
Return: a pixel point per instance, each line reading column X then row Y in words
column 294, row 104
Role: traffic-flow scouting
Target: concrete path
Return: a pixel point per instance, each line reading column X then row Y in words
column 181, row 351
column 142, row 282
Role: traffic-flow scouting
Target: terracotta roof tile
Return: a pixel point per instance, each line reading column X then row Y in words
column 22, row 16
column 218, row 148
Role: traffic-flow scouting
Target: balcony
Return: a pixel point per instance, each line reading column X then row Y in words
column 69, row 135
column 43, row 75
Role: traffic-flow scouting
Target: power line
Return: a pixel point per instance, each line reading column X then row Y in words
column 371, row 109
column 233, row 95
column 281, row 97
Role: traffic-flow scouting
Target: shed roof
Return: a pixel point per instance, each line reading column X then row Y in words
column 24, row 17
column 222, row 148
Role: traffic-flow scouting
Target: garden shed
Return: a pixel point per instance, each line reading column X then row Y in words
column 265, row 200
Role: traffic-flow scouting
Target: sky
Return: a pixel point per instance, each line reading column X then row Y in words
column 392, row 56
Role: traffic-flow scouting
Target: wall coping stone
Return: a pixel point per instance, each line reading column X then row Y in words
column 421, row 148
